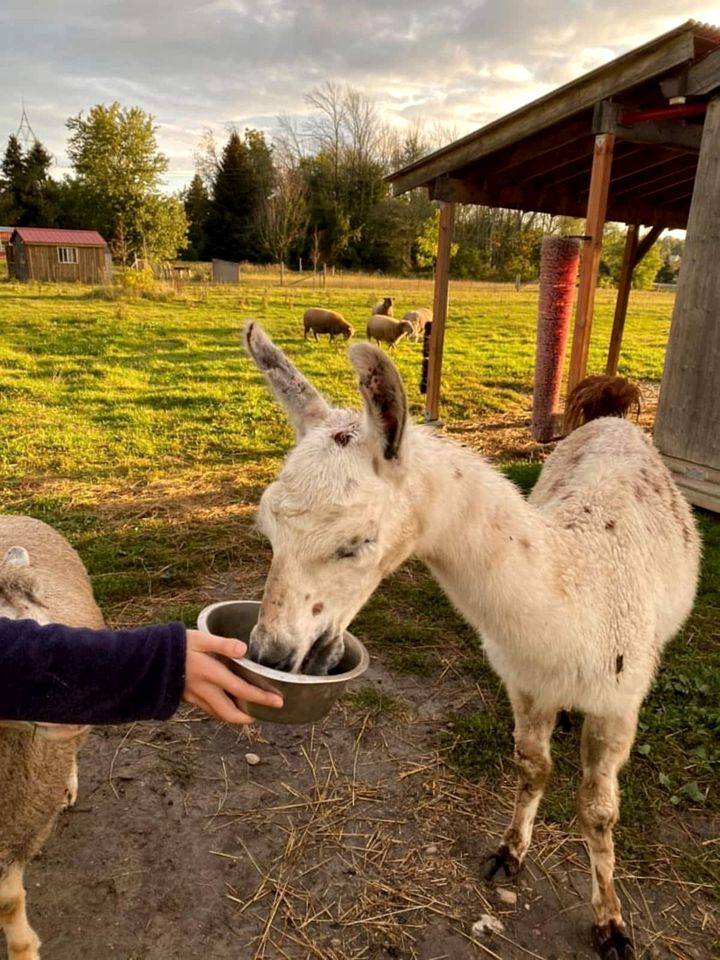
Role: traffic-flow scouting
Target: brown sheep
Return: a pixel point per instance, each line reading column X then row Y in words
column 385, row 328
column 320, row 320
column 383, row 308
column 38, row 765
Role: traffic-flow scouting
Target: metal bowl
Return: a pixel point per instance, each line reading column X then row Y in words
column 306, row 698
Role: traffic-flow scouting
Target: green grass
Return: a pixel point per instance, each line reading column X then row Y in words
column 138, row 428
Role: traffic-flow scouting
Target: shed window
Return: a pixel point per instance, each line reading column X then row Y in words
column 67, row 255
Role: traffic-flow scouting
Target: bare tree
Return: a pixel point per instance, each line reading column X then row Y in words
column 284, row 215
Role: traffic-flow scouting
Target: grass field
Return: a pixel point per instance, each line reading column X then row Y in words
column 137, row 427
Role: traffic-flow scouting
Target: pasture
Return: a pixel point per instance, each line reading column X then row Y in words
column 138, row 428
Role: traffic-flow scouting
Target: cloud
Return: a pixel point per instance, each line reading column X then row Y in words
column 195, row 64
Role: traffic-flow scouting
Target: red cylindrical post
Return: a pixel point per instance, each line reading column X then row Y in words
column 558, row 269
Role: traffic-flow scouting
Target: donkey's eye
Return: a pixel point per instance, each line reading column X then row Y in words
column 353, row 548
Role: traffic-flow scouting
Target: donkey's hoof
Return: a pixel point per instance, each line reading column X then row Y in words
column 503, row 862
column 611, row 942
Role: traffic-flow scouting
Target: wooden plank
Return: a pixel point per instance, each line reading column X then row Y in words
column 590, row 257
column 440, row 301
column 652, row 60
column 667, row 172
column 703, row 77
column 699, row 484
column 607, row 118
column 686, row 425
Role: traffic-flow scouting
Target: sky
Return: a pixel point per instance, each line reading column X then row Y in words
column 209, row 64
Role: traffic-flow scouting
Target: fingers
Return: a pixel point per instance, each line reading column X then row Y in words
column 210, row 685
column 209, row 643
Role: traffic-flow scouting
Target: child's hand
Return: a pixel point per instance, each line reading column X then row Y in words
column 210, row 685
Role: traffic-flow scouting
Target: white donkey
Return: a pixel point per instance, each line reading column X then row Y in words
column 575, row 591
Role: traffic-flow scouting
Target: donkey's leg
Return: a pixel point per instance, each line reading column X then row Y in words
column 22, row 941
column 71, row 790
column 533, row 729
column 606, row 744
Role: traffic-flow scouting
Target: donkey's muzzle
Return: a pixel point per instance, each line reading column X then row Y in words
column 283, row 653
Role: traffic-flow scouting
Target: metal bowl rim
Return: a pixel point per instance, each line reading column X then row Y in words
column 281, row 675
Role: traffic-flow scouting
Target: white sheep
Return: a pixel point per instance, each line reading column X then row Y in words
column 383, row 308
column 382, row 328
column 419, row 319
column 320, row 320
column 41, row 578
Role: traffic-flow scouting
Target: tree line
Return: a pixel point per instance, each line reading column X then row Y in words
column 314, row 194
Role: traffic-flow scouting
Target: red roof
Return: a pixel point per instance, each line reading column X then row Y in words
column 70, row 238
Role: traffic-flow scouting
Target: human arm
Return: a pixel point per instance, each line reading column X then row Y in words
column 74, row 675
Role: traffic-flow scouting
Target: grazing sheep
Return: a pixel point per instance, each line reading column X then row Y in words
column 419, row 318
column 320, row 320
column 38, row 766
column 383, row 308
column 385, row 328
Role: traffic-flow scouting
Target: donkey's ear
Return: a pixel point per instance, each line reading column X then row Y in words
column 384, row 394
column 304, row 406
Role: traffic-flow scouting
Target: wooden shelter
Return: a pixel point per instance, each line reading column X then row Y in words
column 638, row 142
column 47, row 254
column 5, row 234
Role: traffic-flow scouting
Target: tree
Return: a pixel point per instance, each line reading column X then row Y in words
column 612, row 257
column 243, row 181
column 284, row 214
column 118, row 165
column 196, row 202
column 27, row 192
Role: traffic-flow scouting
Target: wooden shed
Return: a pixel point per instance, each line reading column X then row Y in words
column 5, row 234
column 48, row 254
column 636, row 141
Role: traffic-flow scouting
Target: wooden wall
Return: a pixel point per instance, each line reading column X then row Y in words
column 37, row 262
column 687, row 425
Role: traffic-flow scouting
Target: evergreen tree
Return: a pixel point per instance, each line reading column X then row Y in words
column 27, row 192
column 196, row 202
column 243, row 181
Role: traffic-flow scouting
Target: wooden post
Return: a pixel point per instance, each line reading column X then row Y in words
column 623, row 295
column 686, row 424
column 590, row 256
column 440, row 300
column 634, row 252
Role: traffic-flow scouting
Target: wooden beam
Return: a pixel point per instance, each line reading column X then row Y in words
column 653, row 60
column 686, row 424
column 634, row 252
column 590, row 256
column 565, row 203
column 607, row 118
column 701, row 78
column 440, row 301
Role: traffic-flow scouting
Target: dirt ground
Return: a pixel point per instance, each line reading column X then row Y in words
column 349, row 839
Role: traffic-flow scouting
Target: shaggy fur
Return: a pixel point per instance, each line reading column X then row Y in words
column 575, row 591
column 383, row 308
column 41, row 578
column 419, row 319
column 599, row 396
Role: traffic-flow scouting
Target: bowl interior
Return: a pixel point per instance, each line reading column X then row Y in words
column 236, row 618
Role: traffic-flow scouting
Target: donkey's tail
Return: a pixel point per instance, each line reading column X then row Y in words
column 600, row 396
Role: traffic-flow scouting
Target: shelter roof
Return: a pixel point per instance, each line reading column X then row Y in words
column 539, row 157
column 51, row 235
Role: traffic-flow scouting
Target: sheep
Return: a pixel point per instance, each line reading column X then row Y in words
column 385, row 328
column 383, row 308
column 419, row 318
column 320, row 320
column 38, row 765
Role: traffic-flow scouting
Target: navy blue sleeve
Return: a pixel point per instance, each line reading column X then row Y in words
column 59, row 674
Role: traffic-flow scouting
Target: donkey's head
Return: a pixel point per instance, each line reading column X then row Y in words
column 338, row 516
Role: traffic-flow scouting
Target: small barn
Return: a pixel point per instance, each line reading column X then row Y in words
column 5, row 234
column 49, row 254
column 636, row 141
